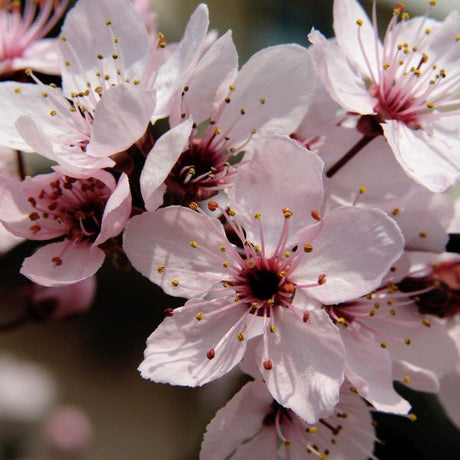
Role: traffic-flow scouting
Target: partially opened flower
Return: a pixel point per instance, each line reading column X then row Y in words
column 286, row 262
column 253, row 425
column 406, row 87
column 23, row 30
column 83, row 210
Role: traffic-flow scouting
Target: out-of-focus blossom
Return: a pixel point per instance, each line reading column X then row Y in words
column 406, row 87
column 289, row 260
column 68, row 430
column 23, row 28
column 26, row 390
column 253, row 425
column 63, row 301
column 85, row 210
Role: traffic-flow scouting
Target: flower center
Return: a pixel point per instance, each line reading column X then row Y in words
column 262, row 283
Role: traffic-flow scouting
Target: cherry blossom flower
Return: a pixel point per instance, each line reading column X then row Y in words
column 388, row 334
column 253, row 425
column 406, row 87
column 375, row 180
column 268, row 95
column 85, row 210
column 23, row 29
column 101, row 109
column 288, row 262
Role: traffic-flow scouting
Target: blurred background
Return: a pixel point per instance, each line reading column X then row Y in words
column 89, row 362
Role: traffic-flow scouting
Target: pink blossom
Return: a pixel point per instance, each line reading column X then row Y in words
column 409, row 84
column 83, row 210
column 22, row 35
column 253, row 425
column 267, row 96
column 288, row 262
column 388, row 334
column 101, row 109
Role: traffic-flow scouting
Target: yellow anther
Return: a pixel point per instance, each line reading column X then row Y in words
column 199, row 316
column 422, row 234
column 383, row 345
column 372, row 313
column 389, row 302
column 430, row 105
column 308, row 247
column 253, row 130
column 396, row 12
column 255, row 304
column 287, row 254
column 271, row 302
column 341, row 320
column 53, row 113
column 99, row 56
column 286, row 443
column 369, row 297
column 393, row 312
column 417, row 72
column 161, row 268
column 217, row 131
column 193, row 206
column 115, row 56
column 287, row 213
column 232, row 87
column 67, row 63
column 231, row 212
column 257, row 248
column 17, row 90
column 240, row 336
column 427, row 31
column 136, row 82
column 359, row 22
column 225, row 264
column 386, row 66
column 353, row 389
column 116, row 39
column 282, row 274
column 457, row 37
column 436, row 284
column 426, row 322
column 257, row 215
column 225, row 284
column 63, row 38
column 407, row 379
column 262, row 100
column 407, row 341
column 251, row 264
column 28, row 72
column 432, row 2
column 223, row 249
column 236, row 299
column 272, row 328
column 396, row 212
column 175, row 283
column 377, row 304
column 412, row 417
column 311, row 429
column 193, row 244
column 108, row 22
column 405, row 16
column 362, row 190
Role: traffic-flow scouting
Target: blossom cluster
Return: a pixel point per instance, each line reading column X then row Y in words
column 301, row 205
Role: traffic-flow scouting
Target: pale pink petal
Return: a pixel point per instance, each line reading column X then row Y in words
column 170, row 75
column 354, row 249
column 362, row 52
column 117, row 211
column 249, row 195
column 121, row 118
column 74, row 160
column 302, row 379
column 161, row 159
column 369, row 369
column 158, row 245
column 448, row 395
column 41, row 56
column 274, row 88
column 88, row 36
column 344, row 85
column 239, row 420
column 430, row 158
column 79, row 261
column 177, row 350
column 19, row 99
column 264, row 445
column 209, row 81
column 415, row 377
column 8, row 240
